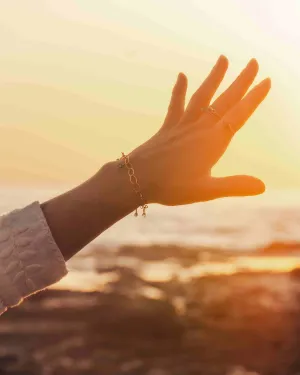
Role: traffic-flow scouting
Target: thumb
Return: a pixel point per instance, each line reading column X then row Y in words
column 232, row 186
column 177, row 102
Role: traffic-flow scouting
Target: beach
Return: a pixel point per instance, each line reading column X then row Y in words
column 231, row 323
column 207, row 289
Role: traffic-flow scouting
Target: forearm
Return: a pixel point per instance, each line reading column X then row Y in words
column 80, row 215
column 32, row 256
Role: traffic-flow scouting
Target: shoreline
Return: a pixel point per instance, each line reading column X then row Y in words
column 98, row 265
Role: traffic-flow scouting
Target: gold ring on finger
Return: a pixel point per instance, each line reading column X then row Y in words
column 230, row 127
column 212, row 111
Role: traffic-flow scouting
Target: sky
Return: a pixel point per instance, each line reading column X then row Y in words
column 81, row 81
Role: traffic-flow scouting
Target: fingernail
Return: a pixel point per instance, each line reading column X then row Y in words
column 264, row 82
column 180, row 75
column 269, row 81
column 252, row 61
column 220, row 60
column 181, row 79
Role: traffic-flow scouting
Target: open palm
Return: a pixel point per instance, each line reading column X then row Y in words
column 175, row 164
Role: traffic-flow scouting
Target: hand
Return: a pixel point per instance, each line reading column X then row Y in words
column 174, row 166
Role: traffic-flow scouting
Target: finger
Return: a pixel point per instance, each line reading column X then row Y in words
column 233, row 94
column 202, row 97
column 240, row 113
column 177, row 102
column 234, row 186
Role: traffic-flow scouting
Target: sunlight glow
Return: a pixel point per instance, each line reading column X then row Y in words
column 103, row 72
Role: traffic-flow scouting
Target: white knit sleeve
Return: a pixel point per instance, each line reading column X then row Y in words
column 30, row 260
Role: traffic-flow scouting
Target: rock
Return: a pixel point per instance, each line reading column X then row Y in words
column 139, row 317
column 131, row 365
column 239, row 370
column 158, row 371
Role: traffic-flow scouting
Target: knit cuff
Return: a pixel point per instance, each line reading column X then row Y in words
column 30, row 260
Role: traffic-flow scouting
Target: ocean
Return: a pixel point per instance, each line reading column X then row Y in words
column 235, row 224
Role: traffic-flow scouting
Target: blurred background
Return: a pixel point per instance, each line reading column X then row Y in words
column 206, row 289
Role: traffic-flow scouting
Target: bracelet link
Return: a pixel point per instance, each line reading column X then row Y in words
column 125, row 162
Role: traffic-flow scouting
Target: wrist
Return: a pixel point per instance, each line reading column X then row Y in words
column 78, row 216
column 114, row 188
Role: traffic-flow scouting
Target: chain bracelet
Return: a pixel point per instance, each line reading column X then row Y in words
column 125, row 162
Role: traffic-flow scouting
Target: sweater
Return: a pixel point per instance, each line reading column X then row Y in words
column 30, row 260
